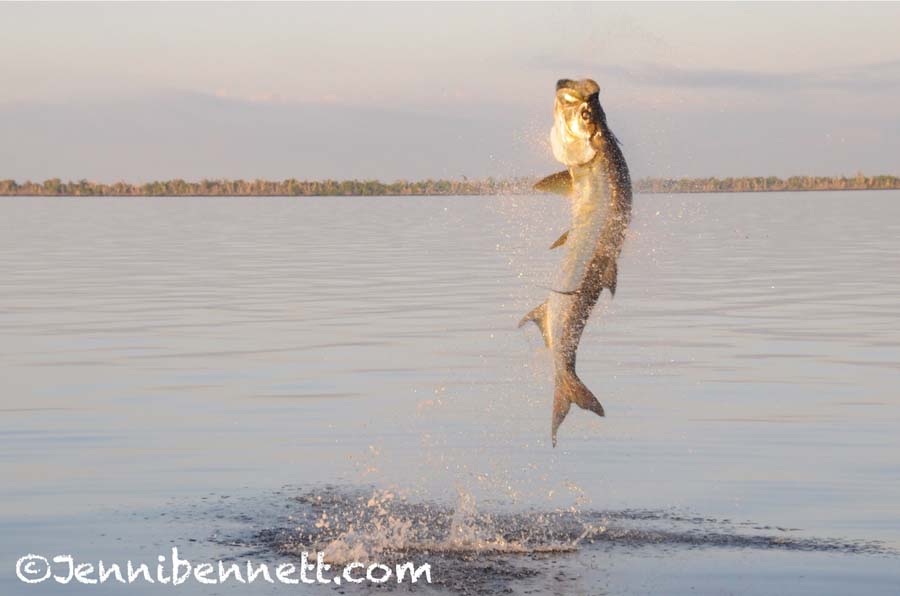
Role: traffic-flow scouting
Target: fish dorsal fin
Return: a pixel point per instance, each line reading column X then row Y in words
column 609, row 276
column 561, row 240
column 560, row 183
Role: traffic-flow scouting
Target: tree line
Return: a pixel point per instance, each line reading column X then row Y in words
column 486, row 186
column 767, row 184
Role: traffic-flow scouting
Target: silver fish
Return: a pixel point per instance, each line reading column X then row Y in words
column 597, row 182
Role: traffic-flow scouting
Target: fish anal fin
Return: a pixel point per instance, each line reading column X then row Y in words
column 560, row 183
column 538, row 316
column 561, row 240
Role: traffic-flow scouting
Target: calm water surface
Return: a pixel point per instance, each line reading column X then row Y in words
column 190, row 371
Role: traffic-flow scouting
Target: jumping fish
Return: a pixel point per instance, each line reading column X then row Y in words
column 597, row 182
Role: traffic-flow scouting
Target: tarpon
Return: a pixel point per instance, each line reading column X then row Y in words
column 596, row 180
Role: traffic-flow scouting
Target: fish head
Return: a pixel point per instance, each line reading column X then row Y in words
column 577, row 119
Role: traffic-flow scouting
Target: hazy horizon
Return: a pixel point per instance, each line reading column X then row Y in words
column 141, row 92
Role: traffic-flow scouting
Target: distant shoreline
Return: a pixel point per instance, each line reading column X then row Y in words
column 465, row 187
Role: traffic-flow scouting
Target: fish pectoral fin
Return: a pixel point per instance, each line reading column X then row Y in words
column 561, row 240
column 538, row 316
column 560, row 183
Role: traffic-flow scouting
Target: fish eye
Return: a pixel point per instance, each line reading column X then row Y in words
column 585, row 115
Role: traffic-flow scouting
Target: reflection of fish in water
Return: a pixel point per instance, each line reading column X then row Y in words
column 599, row 186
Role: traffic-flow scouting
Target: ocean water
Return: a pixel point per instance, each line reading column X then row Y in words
column 257, row 376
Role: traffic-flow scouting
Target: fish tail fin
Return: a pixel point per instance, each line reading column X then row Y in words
column 569, row 390
column 538, row 316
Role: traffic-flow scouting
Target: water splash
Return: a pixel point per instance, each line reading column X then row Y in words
column 381, row 525
column 477, row 551
column 350, row 524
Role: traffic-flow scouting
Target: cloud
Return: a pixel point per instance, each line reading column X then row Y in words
column 191, row 136
column 871, row 77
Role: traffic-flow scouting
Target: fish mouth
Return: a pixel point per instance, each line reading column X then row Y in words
column 584, row 87
column 575, row 122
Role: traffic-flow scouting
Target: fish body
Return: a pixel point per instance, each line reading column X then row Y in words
column 599, row 186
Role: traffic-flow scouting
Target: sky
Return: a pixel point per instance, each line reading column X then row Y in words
column 137, row 92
